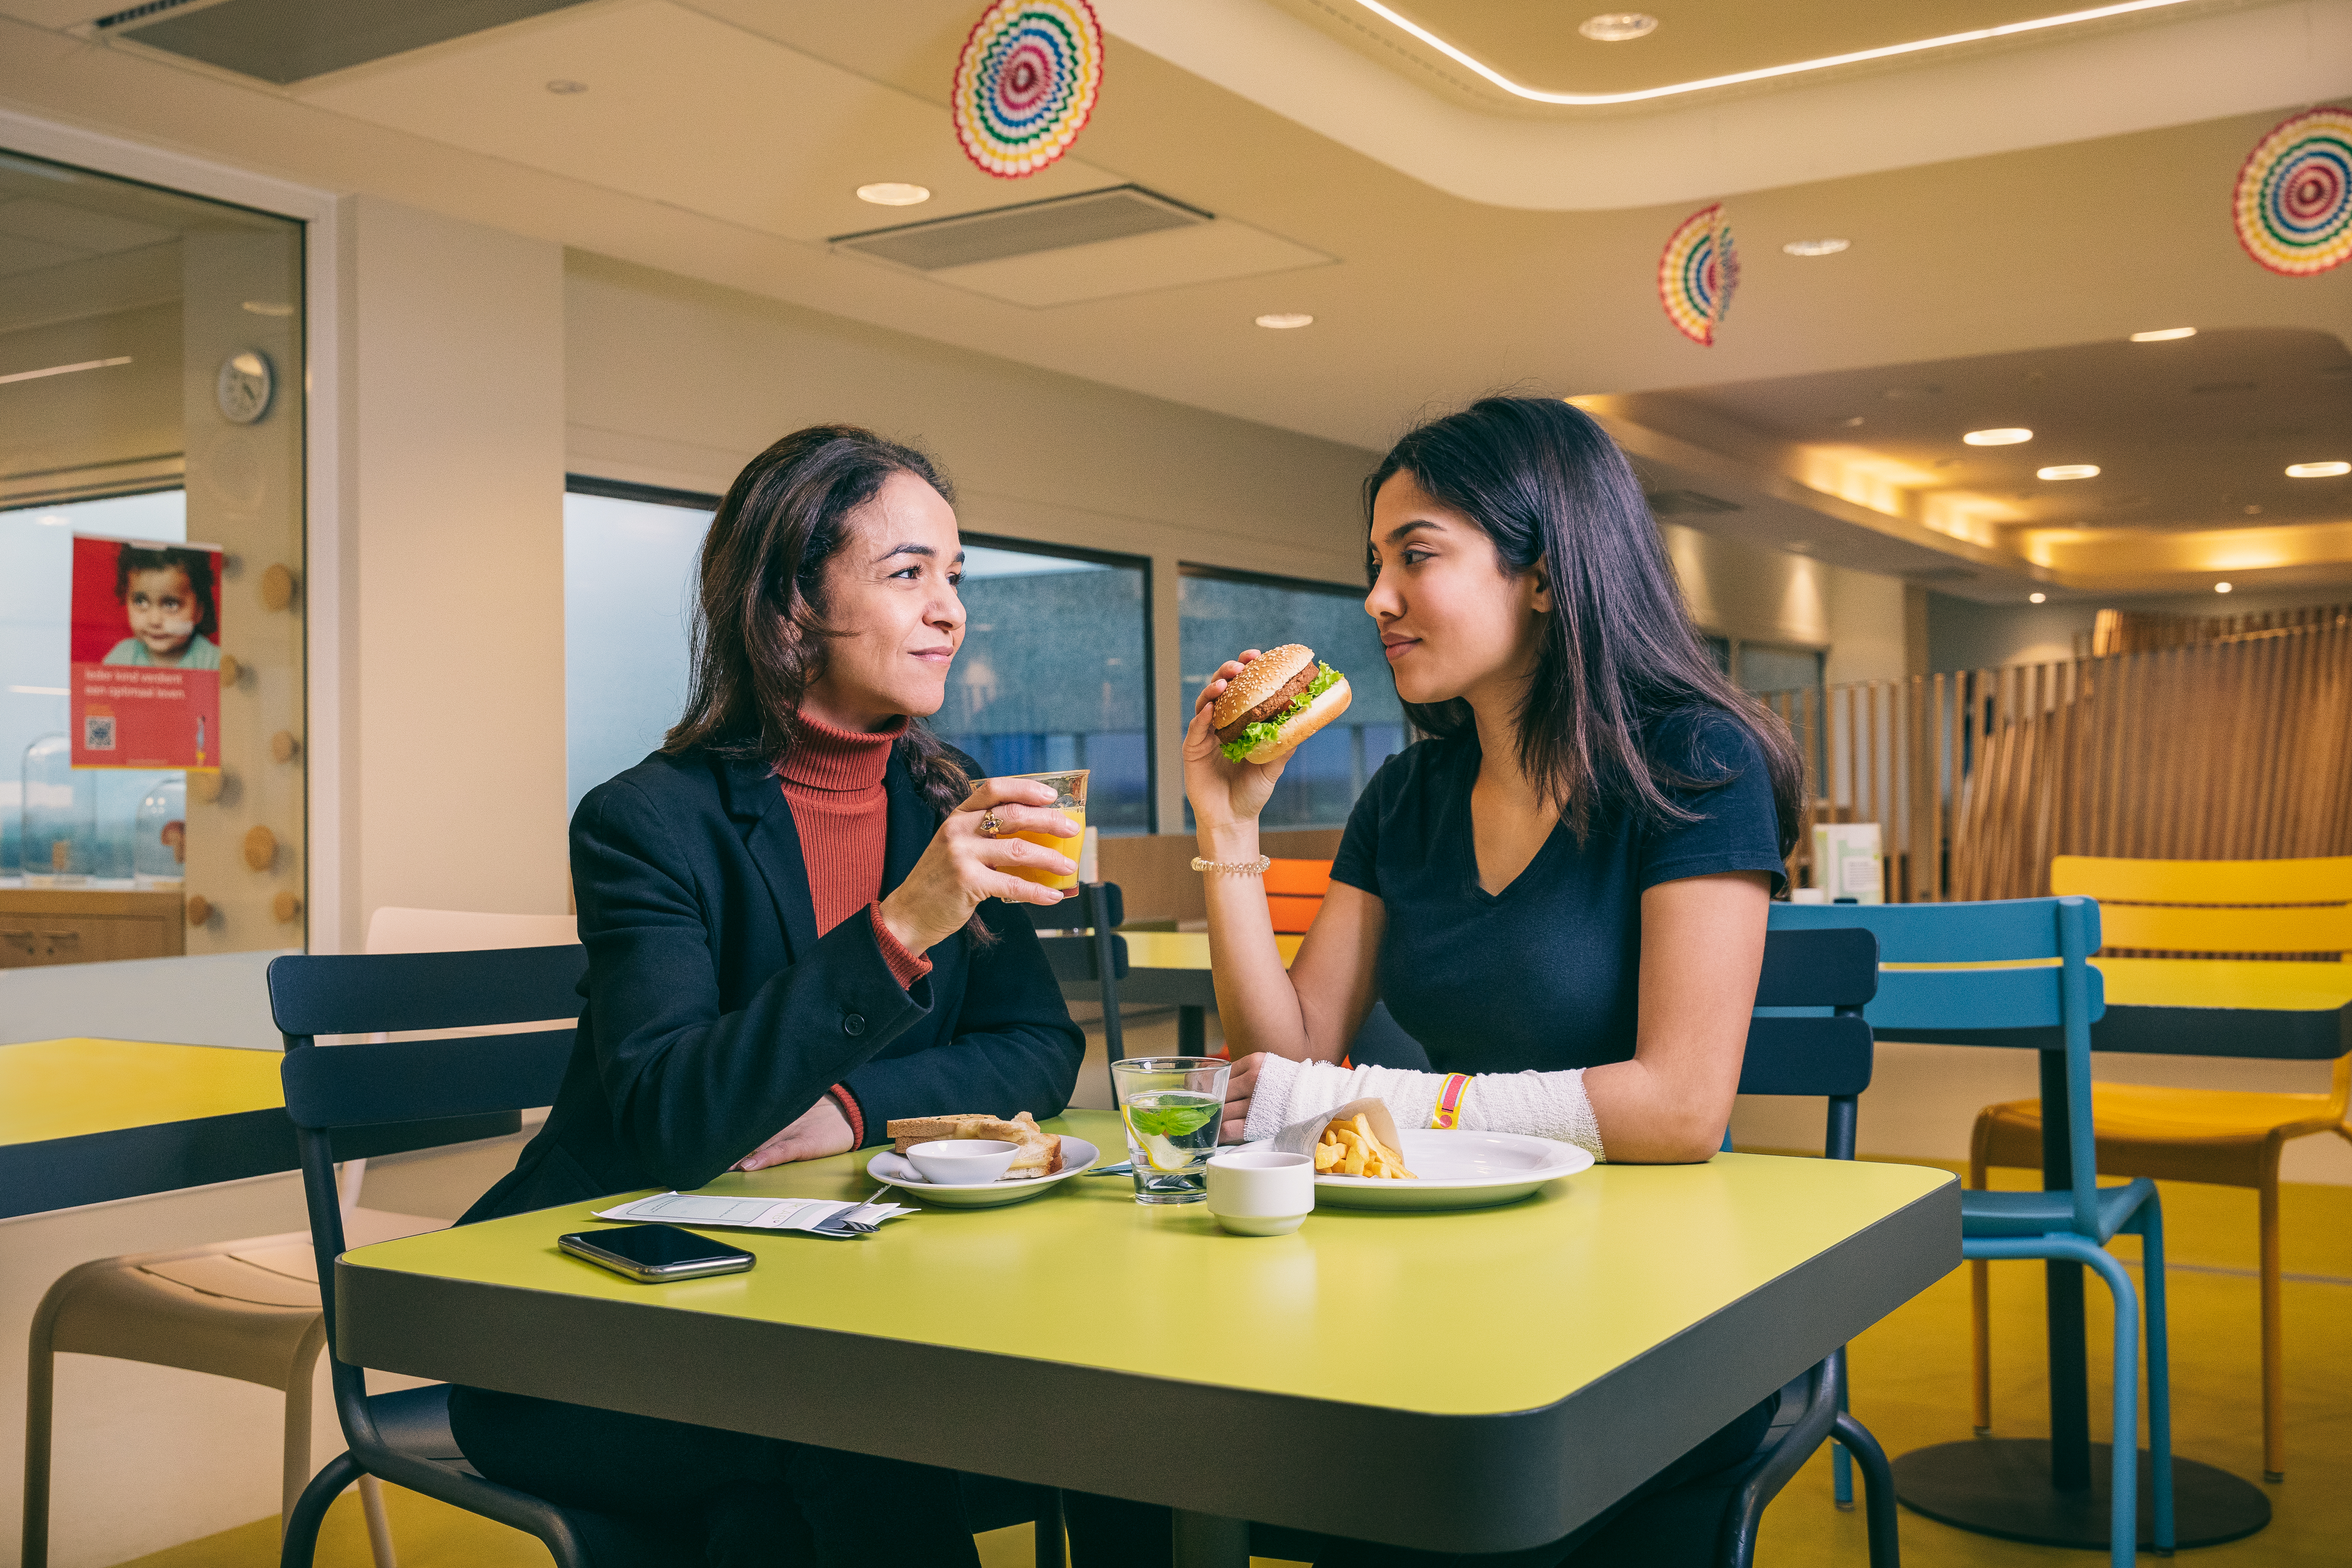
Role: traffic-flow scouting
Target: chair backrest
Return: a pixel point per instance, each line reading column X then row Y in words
column 1828, row 1055
column 1293, row 892
column 2013, row 964
column 332, row 1087
column 1098, row 957
column 2216, row 906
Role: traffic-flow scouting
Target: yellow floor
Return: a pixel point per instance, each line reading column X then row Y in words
column 1910, row 1386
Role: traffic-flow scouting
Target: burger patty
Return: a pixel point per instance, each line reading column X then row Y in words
column 1271, row 705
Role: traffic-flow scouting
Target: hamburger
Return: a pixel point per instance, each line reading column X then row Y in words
column 1278, row 700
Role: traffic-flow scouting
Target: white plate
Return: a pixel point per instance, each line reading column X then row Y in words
column 900, row 1173
column 1457, row 1170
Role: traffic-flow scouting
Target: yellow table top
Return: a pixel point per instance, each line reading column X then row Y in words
column 1185, row 949
column 2250, row 984
column 69, row 1088
column 1529, row 1302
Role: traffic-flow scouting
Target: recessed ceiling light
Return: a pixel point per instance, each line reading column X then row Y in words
column 2220, row 587
column 2037, row 598
column 268, row 308
column 1618, row 26
column 565, row 87
column 2317, row 470
column 2068, row 471
column 2164, row 334
column 2007, row 436
column 1817, row 246
column 893, row 194
column 1283, row 320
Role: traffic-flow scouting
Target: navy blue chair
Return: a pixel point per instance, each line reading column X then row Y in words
column 2045, row 981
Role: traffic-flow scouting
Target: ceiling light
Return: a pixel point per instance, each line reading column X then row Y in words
column 268, row 308
column 2293, row 470
column 125, row 359
column 2008, row 437
column 2037, row 598
column 1854, row 421
column 2220, row 587
column 1817, row 246
column 2006, row 30
column 893, row 194
column 1283, row 320
column 2164, row 334
column 1617, row 26
column 2068, row 471
column 565, row 87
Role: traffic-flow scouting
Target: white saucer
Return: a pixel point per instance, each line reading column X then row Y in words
column 1457, row 1170
column 898, row 1171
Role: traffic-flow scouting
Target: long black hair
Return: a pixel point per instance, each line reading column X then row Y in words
column 1618, row 653
column 760, row 630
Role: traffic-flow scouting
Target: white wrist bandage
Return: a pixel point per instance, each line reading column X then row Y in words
column 1539, row 1104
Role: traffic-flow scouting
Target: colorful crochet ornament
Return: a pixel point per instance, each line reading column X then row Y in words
column 2294, row 202
column 1698, row 273
column 1027, row 80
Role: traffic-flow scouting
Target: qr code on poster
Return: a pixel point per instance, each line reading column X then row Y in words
column 98, row 732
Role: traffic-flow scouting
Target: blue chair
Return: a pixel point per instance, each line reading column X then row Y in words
column 2073, row 1223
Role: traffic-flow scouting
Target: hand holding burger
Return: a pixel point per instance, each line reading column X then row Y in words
column 1253, row 713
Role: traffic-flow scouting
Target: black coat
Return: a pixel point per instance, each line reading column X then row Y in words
column 715, row 1014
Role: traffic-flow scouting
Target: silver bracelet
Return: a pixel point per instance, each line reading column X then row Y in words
column 1238, row 868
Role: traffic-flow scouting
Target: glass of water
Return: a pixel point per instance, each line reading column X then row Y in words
column 1172, row 1107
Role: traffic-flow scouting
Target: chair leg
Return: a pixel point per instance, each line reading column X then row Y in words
column 1841, row 1462
column 2159, row 1374
column 299, row 1544
column 1053, row 1545
column 2273, row 1330
column 1981, row 1292
column 1878, row 1491
column 379, row 1524
column 40, row 1397
column 2123, row 1519
column 295, row 1453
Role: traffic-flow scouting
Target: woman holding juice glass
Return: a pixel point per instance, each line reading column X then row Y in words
column 1561, row 892
column 800, row 924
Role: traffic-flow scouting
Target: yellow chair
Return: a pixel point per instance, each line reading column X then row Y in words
column 2227, row 1137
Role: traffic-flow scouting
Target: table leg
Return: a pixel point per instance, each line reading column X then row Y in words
column 2070, row 1374
column 1207, row 1540
column 1192, row 1031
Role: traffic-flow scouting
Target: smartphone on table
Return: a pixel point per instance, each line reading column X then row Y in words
column 653, row 1254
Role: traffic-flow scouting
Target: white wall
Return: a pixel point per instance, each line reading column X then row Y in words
column 452, row 587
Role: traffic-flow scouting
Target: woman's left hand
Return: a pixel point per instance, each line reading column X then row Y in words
column 1239, row 1085
column 819, row 1130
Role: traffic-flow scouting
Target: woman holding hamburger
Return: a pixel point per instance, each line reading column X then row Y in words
column 1561, row 891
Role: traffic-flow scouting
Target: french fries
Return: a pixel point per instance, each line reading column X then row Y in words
column 1351, row 1148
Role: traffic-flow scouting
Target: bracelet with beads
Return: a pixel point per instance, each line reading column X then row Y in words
column 1236, row 867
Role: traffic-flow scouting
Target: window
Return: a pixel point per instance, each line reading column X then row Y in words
column 1222, row 614
column 1055, row 673
column 628, row 611
column 1764, row 666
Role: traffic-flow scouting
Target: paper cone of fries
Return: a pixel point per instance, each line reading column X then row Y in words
column 1356, row 1139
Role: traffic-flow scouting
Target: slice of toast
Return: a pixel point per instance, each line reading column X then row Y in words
column 1040, row 1154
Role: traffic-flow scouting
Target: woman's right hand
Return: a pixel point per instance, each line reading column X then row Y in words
column 962, row 865
column 1223, row 795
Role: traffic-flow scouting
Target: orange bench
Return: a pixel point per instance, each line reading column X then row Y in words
column 1293, row 891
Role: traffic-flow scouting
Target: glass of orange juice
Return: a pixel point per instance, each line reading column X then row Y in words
column 1070, row 800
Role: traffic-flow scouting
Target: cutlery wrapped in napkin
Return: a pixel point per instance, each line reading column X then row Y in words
column 817, row 1217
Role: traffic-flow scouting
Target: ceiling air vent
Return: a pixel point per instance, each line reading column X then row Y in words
column 287, row 41
column 1941, row 574
column 1668, row 503
column 1023, row 230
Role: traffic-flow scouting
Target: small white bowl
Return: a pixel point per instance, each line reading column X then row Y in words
column 1261, row 1193
column 950, row 1161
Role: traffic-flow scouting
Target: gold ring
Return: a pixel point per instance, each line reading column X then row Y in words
column 988, row 827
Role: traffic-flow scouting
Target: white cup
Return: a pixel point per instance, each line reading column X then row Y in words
column 1807, row 896
column 1261, row 1193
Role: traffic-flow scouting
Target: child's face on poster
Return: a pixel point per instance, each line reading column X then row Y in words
column 161, row 605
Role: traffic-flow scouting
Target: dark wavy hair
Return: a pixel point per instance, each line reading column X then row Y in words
column 196, row 563
column 1618, row 653
column 760, row 630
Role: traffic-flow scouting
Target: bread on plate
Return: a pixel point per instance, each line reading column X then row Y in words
column 1040, row 1152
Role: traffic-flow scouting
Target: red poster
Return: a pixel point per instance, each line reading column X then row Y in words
column 146, row 655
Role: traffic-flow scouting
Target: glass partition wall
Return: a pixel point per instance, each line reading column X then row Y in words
column 151, row 769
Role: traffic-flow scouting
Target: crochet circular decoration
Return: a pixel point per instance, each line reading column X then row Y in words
column 1698, row 273
column 1026, row 82
column 2294, row 202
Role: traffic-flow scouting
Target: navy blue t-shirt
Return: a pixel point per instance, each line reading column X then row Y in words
column 1545, row 974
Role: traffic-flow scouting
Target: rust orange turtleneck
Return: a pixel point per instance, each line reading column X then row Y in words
column 831, row 780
